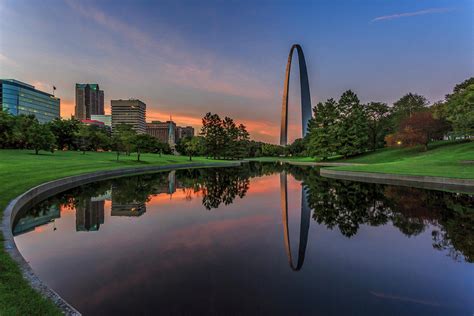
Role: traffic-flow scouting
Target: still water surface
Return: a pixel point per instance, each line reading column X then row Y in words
column 259, row 239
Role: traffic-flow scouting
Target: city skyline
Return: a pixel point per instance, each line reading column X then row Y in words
column 200, row 58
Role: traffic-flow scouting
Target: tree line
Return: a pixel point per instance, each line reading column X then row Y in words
column 25, row 132
column 346, row 127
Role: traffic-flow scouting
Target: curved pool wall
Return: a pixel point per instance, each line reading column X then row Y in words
column 45, row 190
column 421, row 182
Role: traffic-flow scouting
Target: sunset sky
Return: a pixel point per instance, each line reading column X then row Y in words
column 185, row 58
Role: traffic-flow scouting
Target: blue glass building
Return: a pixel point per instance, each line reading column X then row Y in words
column 20, row 98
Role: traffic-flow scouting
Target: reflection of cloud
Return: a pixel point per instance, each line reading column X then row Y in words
column 415, row 13
column 406, row 299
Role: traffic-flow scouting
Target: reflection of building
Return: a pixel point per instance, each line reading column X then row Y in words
column 30, row 221
column 89, row 215
column 172, row 182
column 129, row 209
column 89, row 101
column 131, row 112
column 20, row 98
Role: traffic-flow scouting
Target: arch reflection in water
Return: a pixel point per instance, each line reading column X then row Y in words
column 304, row 222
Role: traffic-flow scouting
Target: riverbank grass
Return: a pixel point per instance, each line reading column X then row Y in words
column 445, row 159
column 21, row 170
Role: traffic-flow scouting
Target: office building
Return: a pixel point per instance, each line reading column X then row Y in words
column 184, row 131
column 165, row 132
column 18, row 98
column 106, row 119
column 89, row 101
column 131, row 112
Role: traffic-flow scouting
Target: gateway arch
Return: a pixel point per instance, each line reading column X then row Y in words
column 305, row 96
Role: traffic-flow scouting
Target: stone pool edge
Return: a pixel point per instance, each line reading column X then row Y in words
column 423, row 182
column 47, row 189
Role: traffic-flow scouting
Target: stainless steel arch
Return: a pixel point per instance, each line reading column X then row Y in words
column 304, row 222
column 305, row 96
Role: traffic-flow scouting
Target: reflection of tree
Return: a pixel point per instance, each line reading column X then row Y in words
column 344, row 204
column 221, row 186
column 347, row 205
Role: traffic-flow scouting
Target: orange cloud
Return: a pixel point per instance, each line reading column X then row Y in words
column 67, row 108
column 259, row 130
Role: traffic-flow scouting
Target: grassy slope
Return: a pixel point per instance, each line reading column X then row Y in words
column 21, row 170
column 442, row 160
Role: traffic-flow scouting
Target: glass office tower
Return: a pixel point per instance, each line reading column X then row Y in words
column 20, row 98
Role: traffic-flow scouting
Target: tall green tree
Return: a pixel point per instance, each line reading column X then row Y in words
column 64, row 131
column 352, row 125
column 126, row 134
column 40, row 137
column 407, row 105
column 322, row 133
column 460, row 108
column 144, row 143
column 193, row 146
column 82, row 137
column 378, row 123
column 213, row 133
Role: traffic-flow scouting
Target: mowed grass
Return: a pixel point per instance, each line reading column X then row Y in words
column 21, row 170
column 443, row 159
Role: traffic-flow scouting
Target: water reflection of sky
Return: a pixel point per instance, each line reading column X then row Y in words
column 180, row 257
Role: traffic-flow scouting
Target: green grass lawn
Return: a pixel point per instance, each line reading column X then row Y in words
column 21, row 170
column 443, row 159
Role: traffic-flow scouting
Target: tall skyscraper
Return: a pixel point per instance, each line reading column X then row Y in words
column 89, row 100
column 17, row 98
column 131, row 112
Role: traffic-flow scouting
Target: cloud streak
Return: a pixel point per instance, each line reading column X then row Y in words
column 410, row 14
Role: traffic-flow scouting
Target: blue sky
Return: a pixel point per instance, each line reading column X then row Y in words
column 184, row 58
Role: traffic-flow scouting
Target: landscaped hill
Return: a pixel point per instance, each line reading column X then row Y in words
column 443, row 159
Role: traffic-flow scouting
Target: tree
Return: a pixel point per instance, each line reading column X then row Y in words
column 7, row 125
column 322, row 133
column 40, row 137
column 22, row 123
column 378, row 123
column 419, row 129
column 82, row 138
column 117, row 144
column 144, row 143
column 98, row 138
column 126, row 133
column 297, row 147
column 406, row 106
column 460, row 108
column 242, row 145
column 213, row 133
column 231, row 134
column 64, row 131
column 193, row 146
column 352, row 126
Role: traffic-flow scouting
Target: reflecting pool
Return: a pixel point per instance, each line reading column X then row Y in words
column 257, row 239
